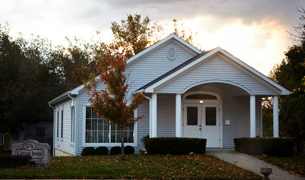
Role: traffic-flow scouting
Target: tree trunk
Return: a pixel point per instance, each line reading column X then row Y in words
column 122, row 143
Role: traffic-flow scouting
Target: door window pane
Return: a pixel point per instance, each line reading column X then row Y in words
column 210, row 116
column 192, row 115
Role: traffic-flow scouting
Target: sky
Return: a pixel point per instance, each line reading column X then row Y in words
column 255, row 31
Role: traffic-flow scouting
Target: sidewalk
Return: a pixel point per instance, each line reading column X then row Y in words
column 250, row 163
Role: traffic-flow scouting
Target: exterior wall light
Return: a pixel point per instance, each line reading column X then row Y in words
column 201, row 101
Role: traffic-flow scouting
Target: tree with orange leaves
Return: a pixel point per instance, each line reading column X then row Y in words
column 110, row 103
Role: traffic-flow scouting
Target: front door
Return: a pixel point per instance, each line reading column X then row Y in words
column 202, row 121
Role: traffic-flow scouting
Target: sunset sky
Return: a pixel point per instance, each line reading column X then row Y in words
column 255, row 31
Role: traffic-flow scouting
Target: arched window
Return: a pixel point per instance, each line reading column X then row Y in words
column 201, row 96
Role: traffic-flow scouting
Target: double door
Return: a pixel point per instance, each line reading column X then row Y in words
column 202, row 121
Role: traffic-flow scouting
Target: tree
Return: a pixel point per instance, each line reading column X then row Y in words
column 110, row 103
column 134, row 35
column 26, row 80
column 267, row 113
column 74, row 63
column 290, row 74
column 181, row 31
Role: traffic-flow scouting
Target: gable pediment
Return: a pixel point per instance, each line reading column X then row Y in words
column 216, row 66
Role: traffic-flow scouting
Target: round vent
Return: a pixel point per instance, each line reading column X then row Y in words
column 171, row 53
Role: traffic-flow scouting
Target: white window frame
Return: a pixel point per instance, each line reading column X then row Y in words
column 72, row 125
column 57, row 124
column 62, row 124
column 84, row 144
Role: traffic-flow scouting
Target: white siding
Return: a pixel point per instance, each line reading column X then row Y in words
column 143, row 124
column 154, row 65
column 64, row 143
column 82, row 100
column 166, row 115
column 139, row 73
column 237, row 110
column 151, row 66
column 218, row 68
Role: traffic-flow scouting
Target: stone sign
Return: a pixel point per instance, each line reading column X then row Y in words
column 40, row 152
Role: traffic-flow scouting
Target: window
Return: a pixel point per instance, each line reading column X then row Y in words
column 62, row 124
column 192, row 115
column 57, row 123
column 171, row 53
column 72, row 123
column 200, row 96
column 99, row 130
column 210, row 113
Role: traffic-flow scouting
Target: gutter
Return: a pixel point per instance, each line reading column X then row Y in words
column 50, row 105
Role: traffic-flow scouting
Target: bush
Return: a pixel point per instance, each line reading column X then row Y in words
column 270, row 146
column 102, row 150
column 129, row 150
column 14, row 161
column 174, row 145
column 115, row 150
column 88, row 151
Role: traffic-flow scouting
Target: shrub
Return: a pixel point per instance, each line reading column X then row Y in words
column 115, row 150
column 129, row 150
column 270, row 146
column 15, row 160
column 88, row 151
column 102, row 150
column 174, row 145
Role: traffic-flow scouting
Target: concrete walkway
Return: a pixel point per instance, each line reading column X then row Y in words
column 250, row 163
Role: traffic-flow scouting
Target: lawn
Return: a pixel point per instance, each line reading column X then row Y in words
column 295, row 165
column 135, row 166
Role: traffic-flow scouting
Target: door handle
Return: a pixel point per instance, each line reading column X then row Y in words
column 199, row 128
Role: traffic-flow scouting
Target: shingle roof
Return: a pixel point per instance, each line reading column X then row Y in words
column 174, row 70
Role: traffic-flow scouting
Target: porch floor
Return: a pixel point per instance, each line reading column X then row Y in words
column 250, row 163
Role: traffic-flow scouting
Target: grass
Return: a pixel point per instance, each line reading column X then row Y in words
column 294, row 165
column 135, row 167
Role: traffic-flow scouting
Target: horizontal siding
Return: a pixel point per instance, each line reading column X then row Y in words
column 82, row 100
column 166, row 124
column 154, row 65
column 237, row 110
column 139, row 73
column 64, row 144
column 143, row 124
column 218, row 69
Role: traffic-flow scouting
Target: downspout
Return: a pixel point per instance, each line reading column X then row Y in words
column 53, row 149
column 149, row 114
column 75, row 124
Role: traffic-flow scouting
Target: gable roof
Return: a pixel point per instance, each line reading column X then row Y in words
column 172, row 71
column 201, row 56
column 76, row 90
column 159, row 43
column 149, row 87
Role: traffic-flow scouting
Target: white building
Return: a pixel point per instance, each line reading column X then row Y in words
column 189, row 93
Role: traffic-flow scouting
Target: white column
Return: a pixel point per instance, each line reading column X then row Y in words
column 154, row 115
column 178, row 115
column 150, row 112
column 275, row 116
column 252, row 117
